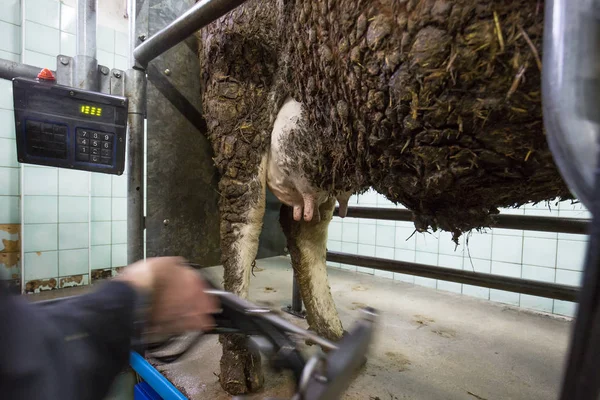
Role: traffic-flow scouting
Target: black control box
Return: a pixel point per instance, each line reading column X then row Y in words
column 60, row 126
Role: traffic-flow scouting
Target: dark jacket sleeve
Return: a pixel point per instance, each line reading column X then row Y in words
column 72, row 349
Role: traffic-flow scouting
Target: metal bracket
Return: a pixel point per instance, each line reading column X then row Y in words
column 109, row 81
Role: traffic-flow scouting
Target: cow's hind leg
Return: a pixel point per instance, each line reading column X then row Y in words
column 307, row 244
column 242, row 208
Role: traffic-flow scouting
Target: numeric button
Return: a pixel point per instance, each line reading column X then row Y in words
column 95, row 159
column 83, row 141
column 107, row 145
column 95, row 143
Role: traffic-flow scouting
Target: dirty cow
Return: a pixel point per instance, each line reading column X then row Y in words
column 436, row 104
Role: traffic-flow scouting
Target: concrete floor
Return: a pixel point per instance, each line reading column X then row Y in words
column 430, row 345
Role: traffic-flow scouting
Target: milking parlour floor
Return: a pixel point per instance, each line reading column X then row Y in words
column 430, row 344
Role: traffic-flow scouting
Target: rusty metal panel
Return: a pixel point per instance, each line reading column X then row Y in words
column 10, row 255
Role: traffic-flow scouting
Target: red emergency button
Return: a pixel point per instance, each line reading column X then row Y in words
column 46, row 75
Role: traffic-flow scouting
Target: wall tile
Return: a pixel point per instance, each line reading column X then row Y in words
column 430, row 259
column 7, row 124
column 68, row 45
column 119, row 255
column 502, row 296
column 565, row 308
column 40, row 182
column 119, row 186
column 408, row 256
column 350, row 233
column 350, row 248
column 105, row 58
column 41, row 265
column 10, row 56
column 565, row 277
column 101, row 257
column 9, row 181
column 536, row 303
column 11, row 11
column 6, row 93
column 73, row 281
column 105, row 39
column 334, row 245
column 73, row 236
column 387, row 253
column 427, row 242
column 119, row 232
column 40, row 237
column 507, row 249
column 541, row 212
column 73, row 209
column 73, row 262
column 368, row 199
column 542, row 274
column 506, row 269
column 539, row 251
column 73, row 183
column 406, row 238
column 42, row 39
column 334, row 231
column 68, row 19
column 476, row 291
column 121, row 62
column 45, row 12
column 386, row 235
column 8, row 153
column 366, row 250
column 11, row 37
column 122, row 44
column 454, row 262
column 101, row 209
column 571, row 254
column 448, row 247
column 476, row 265
column 101, row 233
column 39, row 60
column 9, row 210
column 101, row 185
column 367, row 234
column 40, row 209
column 119, row 209
column 478, row 245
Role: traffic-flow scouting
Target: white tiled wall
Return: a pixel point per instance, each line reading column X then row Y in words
column 542, row 256
column 72, row 221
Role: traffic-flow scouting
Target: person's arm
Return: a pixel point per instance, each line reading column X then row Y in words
column 72, row 349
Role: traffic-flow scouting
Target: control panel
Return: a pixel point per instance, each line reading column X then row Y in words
column 65, row 127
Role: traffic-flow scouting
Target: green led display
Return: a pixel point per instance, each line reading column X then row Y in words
column 90, row 110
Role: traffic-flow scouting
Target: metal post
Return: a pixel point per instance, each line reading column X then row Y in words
column 296, row 308
column 197, row 17
column 86, row 65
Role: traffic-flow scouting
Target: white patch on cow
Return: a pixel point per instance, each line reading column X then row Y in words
column 247, row 245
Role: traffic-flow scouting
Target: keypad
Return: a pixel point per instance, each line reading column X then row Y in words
column 46, row 140
column 95, row 147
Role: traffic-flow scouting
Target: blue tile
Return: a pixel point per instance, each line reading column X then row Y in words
column 73, row 262
column 349, row 248
column 386, row 235
column 73, row 236
column 406, row 238
column 476, row 291
column 8, row 153
column 502, row 296
column 101, row 208
column 119, row 209
column 539, row 251
column 10, row 56
column 68, row 19
column 119, row 186
column 448, row 247
column 73, row 209
column 122, row 44
column 350, row 233
column 40, row 209
column 42, row 39
column 6, row 94
column 507, row 249
column 41, row 265
column 478, row 245
column 11, row 38
column 101, row 185
column 101, row 257
column 367, row 234
column 428, row 259
column 334, row 231
column 565, row 277
column 119, row 232
column 101, row 233
column 384, row 252
column 506, row 269
column 541, row 274
column 68, row 45
column 39, row 60
column 11, row 12
column 334, row 245
column 119, row 255
column 46, row 12
column 40, row 237
column 536, row 303
column 9, row 181
column 40, row 182
column 105, row 39
column 7, row 124
column 427, row 242
column 105, row 58
column 9, row 210
column 565, row 308
column 571, row 254
column 73, row 183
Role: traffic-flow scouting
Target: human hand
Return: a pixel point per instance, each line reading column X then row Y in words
column 179, row 301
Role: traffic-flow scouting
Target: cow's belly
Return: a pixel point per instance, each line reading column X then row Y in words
column 290, row 187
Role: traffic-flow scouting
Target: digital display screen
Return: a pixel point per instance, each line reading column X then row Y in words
column 90, row 110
